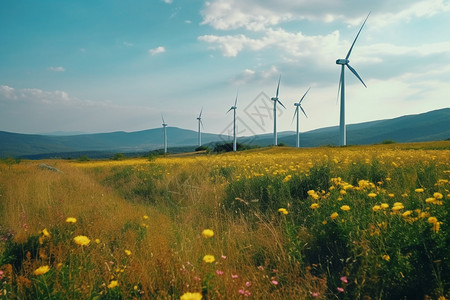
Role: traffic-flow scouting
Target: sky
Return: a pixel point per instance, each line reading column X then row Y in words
column 109, row 65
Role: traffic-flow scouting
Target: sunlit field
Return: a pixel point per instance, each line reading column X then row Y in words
column 359, row 222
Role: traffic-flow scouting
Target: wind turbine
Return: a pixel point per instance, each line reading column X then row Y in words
column 165, row 134
column 234, row 107
column 199, row 129
column 297, row 105
column 275, row 101
column 344, row 62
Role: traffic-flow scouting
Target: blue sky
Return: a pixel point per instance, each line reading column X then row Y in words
column 102, row 66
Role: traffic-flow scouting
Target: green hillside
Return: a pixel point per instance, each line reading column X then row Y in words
column 430, row 126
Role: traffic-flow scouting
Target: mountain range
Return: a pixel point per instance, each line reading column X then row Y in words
column 429, row 126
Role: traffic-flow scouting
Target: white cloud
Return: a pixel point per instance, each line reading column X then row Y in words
column 419, row 9
column 57, row 69
column 157, row 50
column 168, row 1
column 258, row 15
column 259, row 76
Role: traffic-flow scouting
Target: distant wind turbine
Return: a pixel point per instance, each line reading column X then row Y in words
column 199, row 128
column 234, row 121
column 275, row 101
column 297, row 105
column 344, row 62
column 165, row 134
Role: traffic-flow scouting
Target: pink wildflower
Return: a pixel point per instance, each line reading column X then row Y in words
column 219, row 272
column 344, row 279
column 274, row 282
column 248, row 283
column 223, row 257
column 234, row 276
column 340, row 289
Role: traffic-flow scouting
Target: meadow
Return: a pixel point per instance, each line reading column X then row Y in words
column 357, row 222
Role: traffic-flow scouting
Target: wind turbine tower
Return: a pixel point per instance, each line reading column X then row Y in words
column 345, row 62
column 275, row 101
column 234, row 107
column 299, row 105
column 200, row 123
column 165, row 133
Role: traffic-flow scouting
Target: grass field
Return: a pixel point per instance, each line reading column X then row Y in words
column 360, row 222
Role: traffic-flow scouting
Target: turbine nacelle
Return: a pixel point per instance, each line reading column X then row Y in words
column 274, row 99
column 342, row 61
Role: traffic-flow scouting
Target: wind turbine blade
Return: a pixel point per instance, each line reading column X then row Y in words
column 303, row 111
column 295, row 112
column 281, row 103
column 163, row 119
column 278, row 87
column 356, row 74
column 200, row 115
column 229, row 110
column 349, row 51
column 235, row 102
column 202, row 124
column 339, row 87
column 304, row 96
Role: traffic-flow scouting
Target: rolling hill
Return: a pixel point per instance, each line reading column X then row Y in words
column 430, row 126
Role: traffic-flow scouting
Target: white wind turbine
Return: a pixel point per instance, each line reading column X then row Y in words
column 275, row 101
column 234, row 107
column 199, row 118
column 297, row 105
column 344, row 62
column 165, row 134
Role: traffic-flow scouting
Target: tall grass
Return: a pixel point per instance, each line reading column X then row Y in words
column 280, row 230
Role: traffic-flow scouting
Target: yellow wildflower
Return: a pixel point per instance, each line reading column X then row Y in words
column 376, row 208
column 343, row 192
column 391, row 195
column 81, row 240
column 191, row 296
column 283, row 211
column 112, row 284
column 311, row 192
column 71, row 220
column 384, row 205
column 436, row 227
column 314, row 206
column 207, row 233
column 419, row 190
column 345, row 207
column 208, row 259
column 287, row 178
column 406, row 213
column 438, row 195
column 334, row 215
column 432, row 220
column 41, row 270
column 127, row 252
column 45, row 232
column 386, row 257
column 372, row 195
column 430, row 200
column 97, row 241
column 145, row 217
